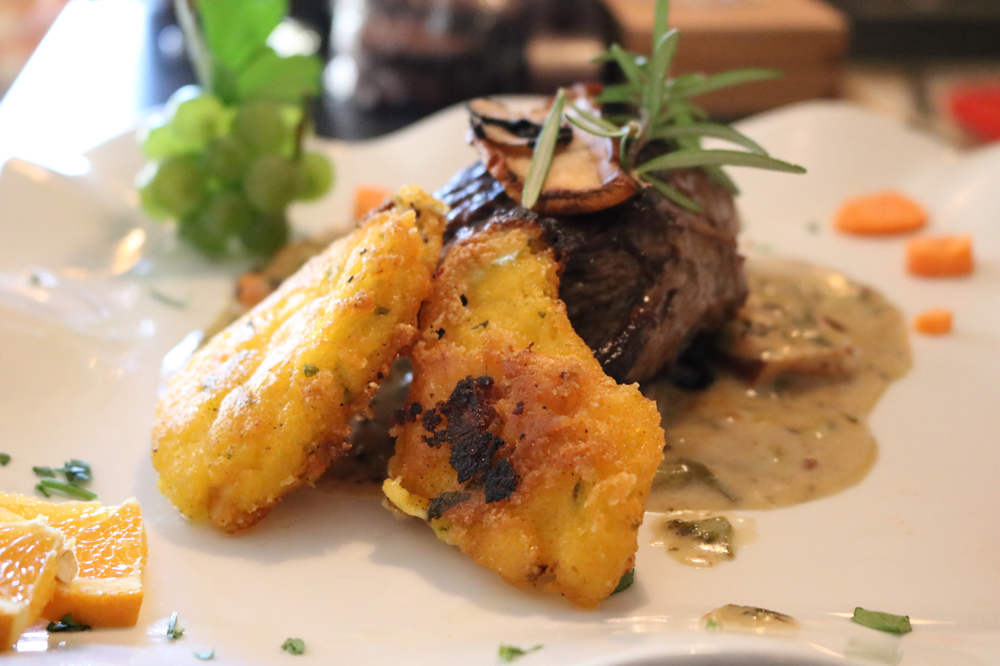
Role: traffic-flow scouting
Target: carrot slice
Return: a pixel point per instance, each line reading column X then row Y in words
column 367, row 198
column 939, row 256
column 935, row 321
column 880, row 213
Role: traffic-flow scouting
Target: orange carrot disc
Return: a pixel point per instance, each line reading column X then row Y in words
column 880, row 213
column 939, row 256
column 935, row 321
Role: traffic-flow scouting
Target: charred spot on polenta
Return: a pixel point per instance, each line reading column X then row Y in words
column 470, row 413
column 439, row 505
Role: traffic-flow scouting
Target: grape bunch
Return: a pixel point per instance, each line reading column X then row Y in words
column 226, row 174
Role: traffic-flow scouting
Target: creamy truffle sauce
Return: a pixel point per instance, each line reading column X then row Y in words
column 748, row 618
column 820, row 350
column 700, row 539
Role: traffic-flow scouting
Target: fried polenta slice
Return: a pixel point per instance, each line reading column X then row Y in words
column 266, row 404
column 514, row 445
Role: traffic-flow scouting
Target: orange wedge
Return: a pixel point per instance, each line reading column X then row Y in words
column 29, row 556
column 110, row 547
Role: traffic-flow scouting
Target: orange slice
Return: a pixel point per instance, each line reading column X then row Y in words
column 29, row 555
column 110, row 547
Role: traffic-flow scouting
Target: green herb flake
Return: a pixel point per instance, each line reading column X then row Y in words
column 683, row 471
column 381, row 310
column 294, row 646
column 206, row 655
column 169, row 301
column 626, row 581
column 893, row 624
column 77, row 471
column 173, row 630
column 712, row 625
column 509, row 653
column 4, row 459
column 309, row 370
column 66, row 624
column 44, row 472
column 68, row 489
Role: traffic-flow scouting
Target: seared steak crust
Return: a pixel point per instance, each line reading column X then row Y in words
column 640, row 279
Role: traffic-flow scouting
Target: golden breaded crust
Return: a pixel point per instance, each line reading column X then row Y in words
column 266, row 404
column 514, row 445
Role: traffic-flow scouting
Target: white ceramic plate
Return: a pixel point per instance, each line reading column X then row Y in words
column 81, row 344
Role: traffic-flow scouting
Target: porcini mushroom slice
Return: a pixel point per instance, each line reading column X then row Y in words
column 498, row 123
column 585, row 175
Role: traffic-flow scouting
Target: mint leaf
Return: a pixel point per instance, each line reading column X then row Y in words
column 4, row 459
column 237, row 30
column 278, row 79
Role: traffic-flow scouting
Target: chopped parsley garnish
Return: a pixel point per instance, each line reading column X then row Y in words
column 626, row 581
column 174, row 631
column 509, row 653
column 65, row 624
column 206, row 655
column 893, row 624
column 712, row 625
column 294, row 645
column 4, row 459
column 76, row 473
column 309, row 370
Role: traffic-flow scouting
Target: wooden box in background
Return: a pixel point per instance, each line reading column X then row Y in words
column 804, row 38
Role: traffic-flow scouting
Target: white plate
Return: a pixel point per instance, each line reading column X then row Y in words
column 80, row 353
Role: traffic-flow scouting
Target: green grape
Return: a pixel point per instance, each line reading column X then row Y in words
column 261, row 126
column 146, row 197
column 209, row 240
column 226, row 215
column 315, row 176
column 227, row 159
column 271, row 183
column 198, row 120
column 175, row 186
column 159, row 142
column 180, row 96
column 227, row 211
column 265, row 234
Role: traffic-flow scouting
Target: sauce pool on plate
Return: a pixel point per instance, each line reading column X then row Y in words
column 813, row 352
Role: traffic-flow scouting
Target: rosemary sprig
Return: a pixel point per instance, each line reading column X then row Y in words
column 541, row 157
column 658, row 109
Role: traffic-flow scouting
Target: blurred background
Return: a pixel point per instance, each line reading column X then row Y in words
column 931, row 63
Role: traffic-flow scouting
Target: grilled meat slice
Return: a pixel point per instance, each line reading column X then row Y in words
column 640, row 279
